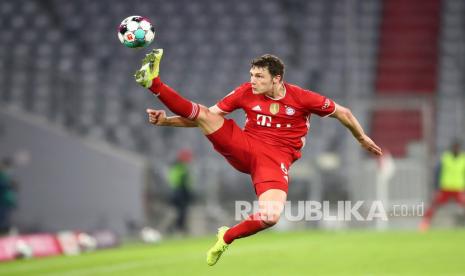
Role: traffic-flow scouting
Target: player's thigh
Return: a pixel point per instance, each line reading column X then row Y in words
column 208, row 121
column 275, row 195
column 233, row 144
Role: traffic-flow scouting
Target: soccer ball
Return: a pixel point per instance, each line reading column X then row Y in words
column 86, row 242
column 150, row 235
column 23, row 250
column 136, row 31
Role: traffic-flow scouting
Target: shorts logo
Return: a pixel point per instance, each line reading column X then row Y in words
column 290, row 111
column 326, row 104
column 274, row 108
column 284, row 169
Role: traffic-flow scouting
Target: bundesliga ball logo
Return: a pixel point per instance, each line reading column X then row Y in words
column 136, row 31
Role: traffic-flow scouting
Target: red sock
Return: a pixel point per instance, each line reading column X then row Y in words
column 429, row 213
column 175, row 102
column 248, row 227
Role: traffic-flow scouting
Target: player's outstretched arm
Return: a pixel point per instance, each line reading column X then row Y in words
column 159, row 118
column 345, row 116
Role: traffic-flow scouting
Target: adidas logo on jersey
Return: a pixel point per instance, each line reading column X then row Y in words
column 256, row 108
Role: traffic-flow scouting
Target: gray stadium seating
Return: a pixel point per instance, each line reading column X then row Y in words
column 62, row 60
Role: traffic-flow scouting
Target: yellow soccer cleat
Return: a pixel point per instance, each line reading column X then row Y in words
column 150, row 68
column 214, row 254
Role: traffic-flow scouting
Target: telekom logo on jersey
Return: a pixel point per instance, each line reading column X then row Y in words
column 263, row 120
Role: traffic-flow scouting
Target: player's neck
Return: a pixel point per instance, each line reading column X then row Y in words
column 277, row 92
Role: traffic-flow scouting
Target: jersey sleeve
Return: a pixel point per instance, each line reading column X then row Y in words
column 232, row 101
column 317, row 104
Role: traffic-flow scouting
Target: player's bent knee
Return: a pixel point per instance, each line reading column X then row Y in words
column 270, row 219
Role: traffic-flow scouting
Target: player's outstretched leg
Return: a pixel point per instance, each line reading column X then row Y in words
column 214, row 254
column 426, row 221
column 148, row 77
column 440, row 198
column 271, row 204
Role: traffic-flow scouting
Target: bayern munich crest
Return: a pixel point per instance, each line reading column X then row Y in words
column 290, row 111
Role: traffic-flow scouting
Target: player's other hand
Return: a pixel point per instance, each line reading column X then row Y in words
column 369, row 145
column 156, row 117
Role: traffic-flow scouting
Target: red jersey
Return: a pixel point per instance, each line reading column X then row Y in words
column 280, row 122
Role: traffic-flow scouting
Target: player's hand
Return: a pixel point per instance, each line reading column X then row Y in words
column 156, row 117
column 369, row 145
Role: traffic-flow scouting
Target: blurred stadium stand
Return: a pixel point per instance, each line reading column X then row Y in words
column 450, row 100
column 62, row 61
column 407, row 65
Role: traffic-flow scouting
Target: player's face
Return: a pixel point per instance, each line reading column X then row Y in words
column 262, row 81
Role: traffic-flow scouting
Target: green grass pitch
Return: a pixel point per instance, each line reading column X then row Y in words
column 271, row 253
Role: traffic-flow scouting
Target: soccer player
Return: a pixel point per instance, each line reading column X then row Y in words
column 278, row 118
column 451, row 180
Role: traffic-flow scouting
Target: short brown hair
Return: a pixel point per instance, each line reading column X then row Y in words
column 274, row 64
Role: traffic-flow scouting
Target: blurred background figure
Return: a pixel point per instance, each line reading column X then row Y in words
column 8, row 196
column 180, row 180
column 450, row 181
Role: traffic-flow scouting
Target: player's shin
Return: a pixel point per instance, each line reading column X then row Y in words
column 252, row 225
column 175, row 102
